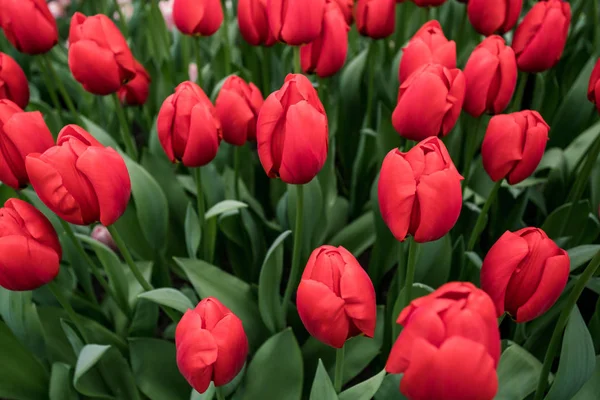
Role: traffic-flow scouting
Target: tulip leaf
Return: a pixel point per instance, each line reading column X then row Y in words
column 168, row 297
column 100, row 134
column 193, row 232
column 580, row 255
column 313, row 211
column 89, row 356
column 364, row 390
column 358, row 236
column 592, row 387
column 518, row 373
column 573, row 227
column 61, row 383
column 322, row 388
column 223, row 207
column 390, row 388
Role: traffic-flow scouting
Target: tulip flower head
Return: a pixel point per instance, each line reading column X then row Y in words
column 13, row 82
column 593, row 88
column 376, row 18
column 525, row 273
column 295, row 22
column 135, row 92
column 30, row 252
column 494, row 16
column 253, row 22
column 198, row 17
column 211, row 345
column 28, row 25
column 347, row 8
column 336, row 299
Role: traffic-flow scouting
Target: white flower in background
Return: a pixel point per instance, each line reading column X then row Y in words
column 166, row 8
column 193, row 72
column 56, row 9
column 126, row 8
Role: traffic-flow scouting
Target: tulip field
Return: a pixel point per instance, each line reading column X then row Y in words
column 300, row 199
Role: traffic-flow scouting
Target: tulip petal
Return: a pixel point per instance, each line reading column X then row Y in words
column 203, row 140
column 232, row 343
column 164, row 126
column 235, row 116
column 417, row 381
column 14, row 81
column 536, row 138
column 187, row 14
column 267, row 133
column 26, row 264
column 94, row 67
column 38, row 226
column 508, row 80
column 480, row 70
column 502, row 146
column 358, row 293
column 302, row 23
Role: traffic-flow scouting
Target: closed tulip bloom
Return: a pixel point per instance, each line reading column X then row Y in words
column 448, row 335
column 513, row 145
column 427, row 46
column 79, row 179
column 295, row 22
column 491, row 76
column 292, row 132
column 326, row 55
column 254, row 23
column 336, row 299
column 494, row 16
column 135, row 92
column 30, row 252
column 593, row 88
column 99, row 57
column 540, row 38
column 420, row 192
column 21, row 133
column 237, row 108
column 197, row 17
column 347, row 8
column 28, row 25
column 211, row 345
column 429, row 102
column 376, row 18
column 13, row 82
column 525, row 273
column 188, row 126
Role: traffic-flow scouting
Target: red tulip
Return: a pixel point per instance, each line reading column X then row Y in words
column 135, row 92
column 292, row 132
column 295, row 22
column 491, row 76
column 28, row 25
column 525, row 273
column 593, row 88
column 237, row 108
column 347, row 8
column 425, row 3
column 188, row 126
column 21, row 133
column 427, row 46
column 429, row 102
column 376, row 18
column 494, row 16
column 211, row 345
column 253, row 22
column 326, row 55
column 448, row 335
column 13, row 82
column 197, row 17
column 541, row 37
column 336, row 299
column 79, row 179
column 99, row 57
column 420, row 192
column 514, row 145
column 30, row 252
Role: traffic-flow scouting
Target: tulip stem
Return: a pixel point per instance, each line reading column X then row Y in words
column 51, row 88
column 62, row 300
column 266, row 74
column 219, row 392
column 236, row 168
column 297, row 66
column 596, row 15
column 199, row 60
column 413, row 250
column 582, row 281
column 63, row 91
column 518, row 99
column 130, row 148
column 200, row 206
column 122, row 21
column 481, row 219
column 472, row 139
column 293, row 279
column 226, row 43
column 339, row 369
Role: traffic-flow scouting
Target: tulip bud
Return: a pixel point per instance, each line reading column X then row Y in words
column 376, row 18
column 197, row 17
column 21, row 133
column 188, row 126
column 79, row 179
column 211, row 345
column 513, row 145
column 101, row 234
column 193, row 72
column 99, row 57
column 292, row 132
column 135, row 92
column 448, row 335
column 420, row 192
column 593, row 88
column 425, row 3
column 253, row 22
column 13, row 82
column 347, row 8
column 326, row 55
column 494, row 16
column 237, row 108
column 336, row 299
column 28, row 25
column 427, row 46
column 429, row 102
column 540, row 38
column 295, row 22
column 525, row 273
column 491, row 77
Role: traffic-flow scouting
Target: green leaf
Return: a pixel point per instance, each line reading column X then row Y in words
column 518, row 373
column 223, row 207
column 434, row 261
column 193, row 233
column 269, row 285
column 364, row 390
column 358, row 236
column 100, row 134
column 61, row 383
column 553, row 224
column 390, row 388
column 322, row 388
column 88, row 358
column 580, row 255
column 275, row 372
column 20, row 314
column 312, row 214
column 168, row 297
column 592, row 387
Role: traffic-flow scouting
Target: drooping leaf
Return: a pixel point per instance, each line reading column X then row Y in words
column 168, row 297
column 364, row 390
column 518, row 373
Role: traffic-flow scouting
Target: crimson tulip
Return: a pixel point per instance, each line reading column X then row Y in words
column 494, row 16
column 420, row 192
column 237, row 108
column 525, row 273
column 254, row 23
column 295, row 22
column 135, row 92
column 13, row 82
column 540, row 38
column 429, row 102
column 448, row 335
column 347, row 8
column 197, row 17
column 376, row 18
column 513, row 145
column 211, row 345
column 336, row 299
column 188, row 126
column 79, row 179
column 99, row 57
column 28, row 25
column 593, row 87
column 491, row 76
column 292, row 132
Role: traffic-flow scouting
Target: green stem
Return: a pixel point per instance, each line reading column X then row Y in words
column 51, row 88
column 62, row 300
column 226, row 43
column 122, row 20
column 125, row 132
column 370, row 82
column 582, row 281
column 297, row 66
column 339, row 369
column 199, row 60
column 472, row 139
column 293, row 279
column 200, row 205
column 519, row 92
column 219, row 392
column 62, row 90
column 266, row 71
column 410, row 271
column 481, row 220
column 399, row 39
column 596, row 14
column 236, row 167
